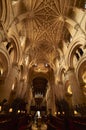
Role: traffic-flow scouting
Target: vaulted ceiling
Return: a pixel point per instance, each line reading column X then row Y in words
column 42, row 24
column 45, row 19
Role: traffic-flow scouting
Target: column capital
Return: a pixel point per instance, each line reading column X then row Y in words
column 70, row 69
column 69, row 72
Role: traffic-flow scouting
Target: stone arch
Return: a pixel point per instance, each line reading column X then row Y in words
column 81, row 68
column 16, row 46
column 61, row 73
column 6, row 11
column 72, row 49
column 73, row 23
column 37, row 75
column 4, row 61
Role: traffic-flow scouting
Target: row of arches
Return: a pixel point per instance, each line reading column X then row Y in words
column 71, row 69
column 70, row 64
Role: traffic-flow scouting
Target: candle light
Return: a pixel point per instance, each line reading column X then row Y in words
column 10, row 110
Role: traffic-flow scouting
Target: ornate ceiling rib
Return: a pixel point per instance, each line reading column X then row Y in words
column 46, row 18
column 43, row 23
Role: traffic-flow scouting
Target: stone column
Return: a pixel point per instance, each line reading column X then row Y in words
column 10, row 80
column 2, row 34
column 59, row 90
column 20, row 88
column 29, row 98
column 49, row 99
column 77, row 95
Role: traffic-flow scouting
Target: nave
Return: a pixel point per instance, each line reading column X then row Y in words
column 43, row 64
column 24, row 121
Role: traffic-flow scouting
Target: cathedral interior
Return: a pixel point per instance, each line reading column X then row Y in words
column 43, row 60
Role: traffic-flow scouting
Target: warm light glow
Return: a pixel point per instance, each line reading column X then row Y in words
column 75, row 112
column 84, row 93
column 1, row 71
column 13, row 87
column 84, row 77
column 19, row 111
column 25, row 78
column 61, row 18
column 46, row 65
column 41, row 68
column 26, row 60
column 10, row 110
column 22, row 40
column 63, row 112
column 69, row 90
column 0, row 108
column 71, row 39
column 55, row 113
column 38, row 95
column 14, row 2
column 85, row 86
column 58, row 113
column 22, row 111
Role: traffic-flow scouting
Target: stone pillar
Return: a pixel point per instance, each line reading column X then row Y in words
column 2, row 34
column 29, row 98
column 20, row 88
column 24, row 89
column 59, row 90
column 49, row 99
column 10, row 80
column 77, row 95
